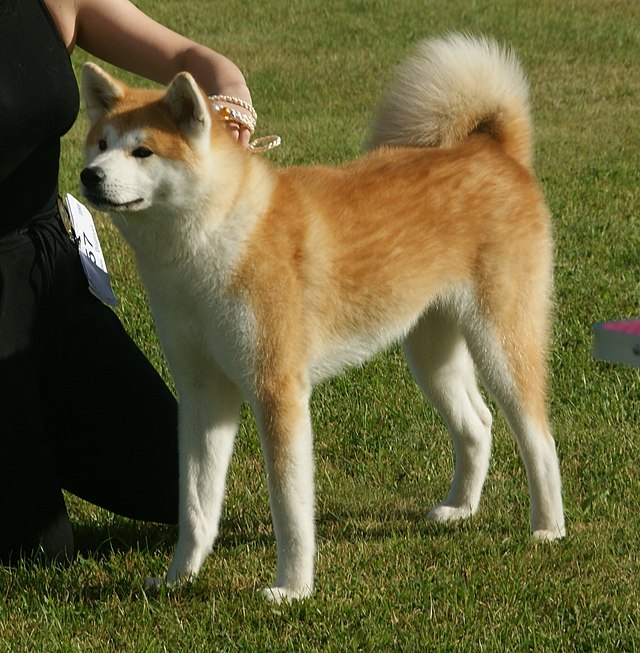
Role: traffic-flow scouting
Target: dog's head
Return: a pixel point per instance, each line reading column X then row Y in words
column 145, row 148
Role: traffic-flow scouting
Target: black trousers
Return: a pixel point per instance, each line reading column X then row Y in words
column 81, row 408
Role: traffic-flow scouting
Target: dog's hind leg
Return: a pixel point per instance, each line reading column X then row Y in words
column 282, row 413
column 442, row 367
column 209, row 412
column 511, row 364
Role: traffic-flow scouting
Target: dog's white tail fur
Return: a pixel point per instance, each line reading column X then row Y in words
column 452, row 87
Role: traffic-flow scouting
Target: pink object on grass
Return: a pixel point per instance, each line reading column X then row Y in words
column 618, row 341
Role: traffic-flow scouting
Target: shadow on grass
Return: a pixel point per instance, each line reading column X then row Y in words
column 385, row 524
column 101, row 541
column 337, row 524
column 120, row 535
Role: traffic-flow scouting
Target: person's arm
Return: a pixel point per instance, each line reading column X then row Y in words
column 118, row 32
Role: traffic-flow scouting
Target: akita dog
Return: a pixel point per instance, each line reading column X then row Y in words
column 263, row 281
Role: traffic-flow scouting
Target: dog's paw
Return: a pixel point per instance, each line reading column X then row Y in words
column 280, row 595
column 444, row 513
column 549, row 536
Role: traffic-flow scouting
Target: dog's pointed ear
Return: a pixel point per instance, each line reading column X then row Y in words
column 100, row 91
column 188, row 105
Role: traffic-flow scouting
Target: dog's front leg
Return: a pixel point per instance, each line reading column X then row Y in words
column 208, row 421
column 287, row 442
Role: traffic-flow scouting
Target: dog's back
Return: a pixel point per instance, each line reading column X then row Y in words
column 359, row 252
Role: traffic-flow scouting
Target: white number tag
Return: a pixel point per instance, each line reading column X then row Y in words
column 91, row 256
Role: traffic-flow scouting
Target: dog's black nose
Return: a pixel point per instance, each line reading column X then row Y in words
column 92, row 177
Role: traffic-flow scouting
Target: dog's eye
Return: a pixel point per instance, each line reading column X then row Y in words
column 102, row 145
column 142, row 152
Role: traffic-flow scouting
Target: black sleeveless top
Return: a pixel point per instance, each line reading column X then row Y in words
column 38, row 104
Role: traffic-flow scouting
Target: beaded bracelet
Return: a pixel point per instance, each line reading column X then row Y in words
column 231, row 115
column 232, row 99
column 228, row 114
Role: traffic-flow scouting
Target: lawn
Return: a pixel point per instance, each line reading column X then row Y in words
column 386, row 578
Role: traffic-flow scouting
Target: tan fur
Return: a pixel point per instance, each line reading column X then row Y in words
column 380, row 260
column 265, row 281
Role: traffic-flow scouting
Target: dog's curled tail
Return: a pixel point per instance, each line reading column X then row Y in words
column 452, row 87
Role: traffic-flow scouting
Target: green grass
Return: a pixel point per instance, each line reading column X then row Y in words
column 386, row 578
